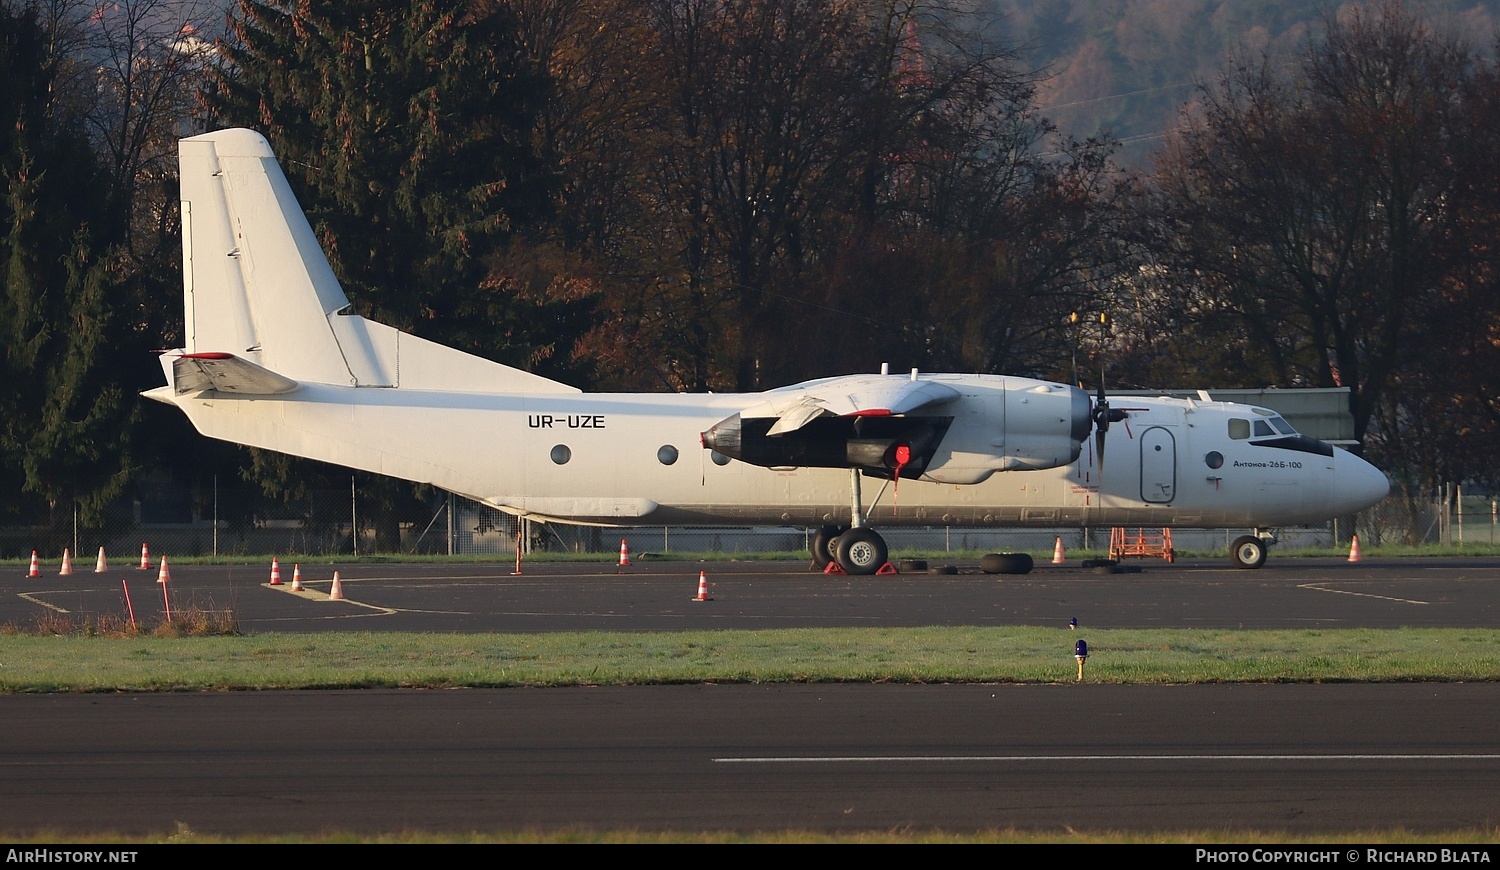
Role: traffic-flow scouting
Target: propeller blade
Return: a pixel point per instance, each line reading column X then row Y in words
column 1103, row 416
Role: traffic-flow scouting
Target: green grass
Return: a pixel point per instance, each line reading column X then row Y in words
column 1016, row 654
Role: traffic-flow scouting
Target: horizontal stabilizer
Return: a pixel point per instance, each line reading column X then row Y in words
column 225, row 373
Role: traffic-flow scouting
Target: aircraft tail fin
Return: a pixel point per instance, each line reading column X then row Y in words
column 256, row 285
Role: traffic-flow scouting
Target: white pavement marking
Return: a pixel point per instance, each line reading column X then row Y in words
column 834, row 759
column 1318, row 587
column 31, row 596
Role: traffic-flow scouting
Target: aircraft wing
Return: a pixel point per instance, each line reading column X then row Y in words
column 226, row 373
column 853, row 396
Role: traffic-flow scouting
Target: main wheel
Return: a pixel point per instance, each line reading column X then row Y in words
column 1248, row 551
column 823, row 543
column 861, row 551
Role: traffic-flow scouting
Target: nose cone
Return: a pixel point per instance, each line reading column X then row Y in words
column 1356, row 483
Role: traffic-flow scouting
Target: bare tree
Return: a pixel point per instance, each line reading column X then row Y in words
column 1315, row 203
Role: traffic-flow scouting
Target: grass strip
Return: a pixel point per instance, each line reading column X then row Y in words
column 1007, row 654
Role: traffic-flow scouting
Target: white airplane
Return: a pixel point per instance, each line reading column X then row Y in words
column 275, row 358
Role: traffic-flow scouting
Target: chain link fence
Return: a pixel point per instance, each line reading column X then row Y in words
column 447, row 525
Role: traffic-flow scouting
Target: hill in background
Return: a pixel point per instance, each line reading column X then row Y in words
column 1127, row 67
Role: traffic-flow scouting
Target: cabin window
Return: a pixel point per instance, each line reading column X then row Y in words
column 667, row 454
column 1239, row 429
column 561, row 454
column 718, row 458
column 1214, row 459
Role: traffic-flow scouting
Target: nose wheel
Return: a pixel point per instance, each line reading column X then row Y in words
column 1248, row 552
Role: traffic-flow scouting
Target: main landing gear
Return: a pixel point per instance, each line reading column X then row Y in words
column 856, row 548
column 857, row 551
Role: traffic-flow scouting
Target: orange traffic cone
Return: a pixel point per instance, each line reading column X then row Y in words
column 36, row 567
column 164, row 576
column 145, row 558
column 99, row 566
column 336, row 592
column 624, row 554
column 275, row 572
column 1057, row 554
column 1354, row 548
column 67, row 565
column 702, row 587
column 297, row 578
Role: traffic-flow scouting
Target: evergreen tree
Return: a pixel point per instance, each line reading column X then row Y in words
column 64, row 423
column 406, row 129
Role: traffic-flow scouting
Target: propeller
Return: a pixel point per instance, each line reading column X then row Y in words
column 1103, row 415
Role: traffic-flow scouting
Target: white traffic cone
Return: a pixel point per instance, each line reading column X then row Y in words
column 336, row 591
column 702, row 587
column 1057, row 554
column 1354, row 548
column 36, row 567
column 99, row 566
column 67, row 565
column 624, row 554
column 275, row 571
column 164, row 576
column 145, row 558
column 297, row 578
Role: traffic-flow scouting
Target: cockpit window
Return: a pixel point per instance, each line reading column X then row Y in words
column 1282, row 426
column 1263, row 428
column 1239, row 429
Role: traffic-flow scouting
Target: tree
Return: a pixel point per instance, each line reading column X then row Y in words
column 406, row 130
column 1316, row 206
column 64, row 419
column 766, row 169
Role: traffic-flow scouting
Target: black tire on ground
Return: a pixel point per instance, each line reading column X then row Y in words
column 943, row 569
column 861, row 551
column 1108, row 569
column 1006, row 563
column 912, row 565
column 823, row 542
column 1248, row 551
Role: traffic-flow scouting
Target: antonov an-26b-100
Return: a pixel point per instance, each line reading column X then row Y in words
column 275, row 358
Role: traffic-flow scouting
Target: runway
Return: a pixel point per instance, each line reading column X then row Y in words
column 1298, row 758
column 1305, row 759
column 658, row 596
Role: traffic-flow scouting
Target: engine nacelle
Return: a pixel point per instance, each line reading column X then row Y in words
column 1011, row 424
column 880, row 446
column 997, row 424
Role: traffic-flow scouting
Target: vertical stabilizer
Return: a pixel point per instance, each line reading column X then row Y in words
column 257, row 285
column 256, row 282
